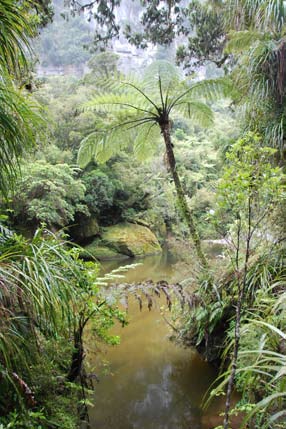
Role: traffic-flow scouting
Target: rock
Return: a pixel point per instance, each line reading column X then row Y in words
column 87, row 228
column 140, row 222
column 102, row 253
column 131, row 239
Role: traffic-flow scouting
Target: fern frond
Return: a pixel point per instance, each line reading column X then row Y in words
column 211, row 90
column 146, row 141
column 88, row 147
column 101, row 145
column 137, row 108
column 165, row 72
column 127, row 101
column 199, row 112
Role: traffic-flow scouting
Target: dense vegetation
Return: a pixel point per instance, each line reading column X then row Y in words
column 173, row 153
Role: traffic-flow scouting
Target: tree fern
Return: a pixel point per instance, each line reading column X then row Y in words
column 134, row 103
column 138, row 112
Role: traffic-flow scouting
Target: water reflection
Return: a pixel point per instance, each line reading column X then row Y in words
column 151, row 382
column 156, row 267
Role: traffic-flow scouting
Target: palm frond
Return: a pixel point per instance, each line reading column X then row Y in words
column 17, row 120
column 15, row 34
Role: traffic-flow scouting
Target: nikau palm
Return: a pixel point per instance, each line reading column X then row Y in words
column 139, row 113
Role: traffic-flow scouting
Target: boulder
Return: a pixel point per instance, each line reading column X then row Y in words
column 87, row 229
column 102, row 253
column 131, row 239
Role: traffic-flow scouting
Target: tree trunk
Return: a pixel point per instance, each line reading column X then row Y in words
column 185, row 211
column 77, row 356
column 240, row 301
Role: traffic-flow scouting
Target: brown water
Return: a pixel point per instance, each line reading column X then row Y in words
column 149, row 382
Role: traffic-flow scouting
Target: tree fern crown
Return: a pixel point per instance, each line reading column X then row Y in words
column 134, row 110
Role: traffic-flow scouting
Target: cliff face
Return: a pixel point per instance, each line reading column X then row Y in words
column 63, row 46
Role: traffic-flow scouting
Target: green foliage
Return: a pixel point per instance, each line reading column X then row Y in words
column 68, row 124
column 259, row 50
column 100, row 191
column 47, row 294
column 249, row 190
column 17, row 115
column 261, row 359
column 50, row 194
column 208, row 38
column 57, row 401
column 251, row 186
column 135, row 185
column 14, row 37
column 52, row 154
column 262, row 14
column 17, row 120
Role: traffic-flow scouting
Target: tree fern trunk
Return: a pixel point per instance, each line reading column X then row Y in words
column 77, row 356
column 185, row 211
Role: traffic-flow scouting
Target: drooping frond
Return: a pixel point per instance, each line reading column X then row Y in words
column 88, row 148
column 37, row 294
column 100, row 146
column 146, row 141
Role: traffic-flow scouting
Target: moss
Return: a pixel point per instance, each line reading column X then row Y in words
column 131, row 239
column 100, row 252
